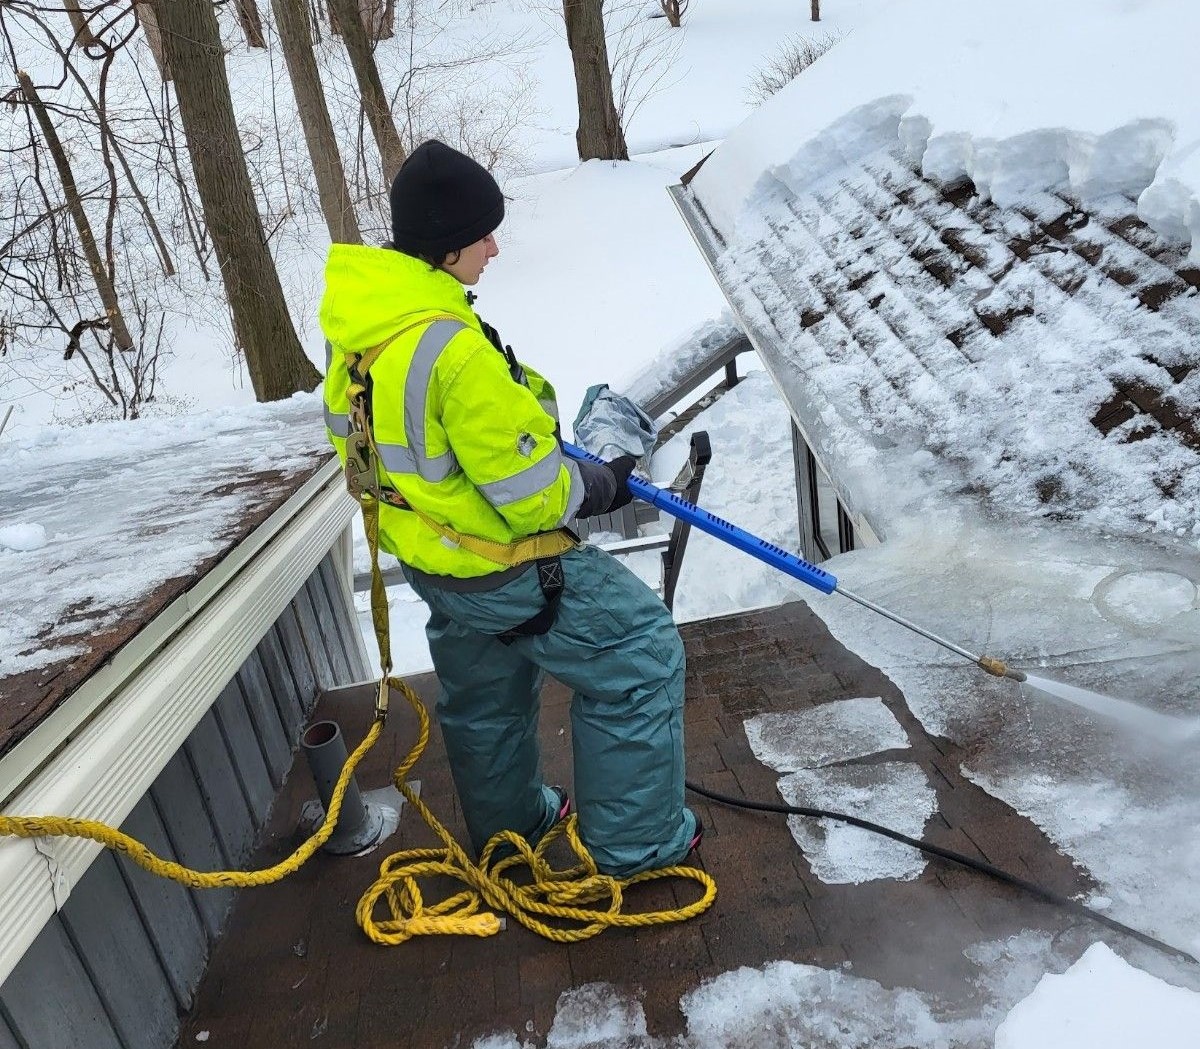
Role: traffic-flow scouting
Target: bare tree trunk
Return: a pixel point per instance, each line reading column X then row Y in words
column 378, row 18
column 599, row 134
column 674, row 10
column 250, row 21
column 295, row 34
column 370, row 87
column 148, row 19
column 816, row 10
column 79, row 22
column 387, row 25
column 192, row 42
column 104, row 284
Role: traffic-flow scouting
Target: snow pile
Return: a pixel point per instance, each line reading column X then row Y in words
column 22, row 537
column 680, row 356
column 1102, row 1002
column 130, row 505
column 1082, row 95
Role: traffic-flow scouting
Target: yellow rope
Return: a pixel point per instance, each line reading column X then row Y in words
column 111, row 838
column 584, row 901
column 589, row 901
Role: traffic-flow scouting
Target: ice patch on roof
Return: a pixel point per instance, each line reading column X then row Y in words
column 595, row 1014
column 1124, row 807
column 895, row 794
column 22, row 537
column 788, row 741
column 785, row 1003
column 799, row 1005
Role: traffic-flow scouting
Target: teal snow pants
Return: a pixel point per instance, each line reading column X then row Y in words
column 614, row 643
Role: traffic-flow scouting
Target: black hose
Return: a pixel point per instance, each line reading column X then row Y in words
column 1074, row 906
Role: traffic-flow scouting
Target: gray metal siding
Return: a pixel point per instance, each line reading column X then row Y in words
column 8, row 1040
column 116, row 967
column 50, row 999
column 112, row 943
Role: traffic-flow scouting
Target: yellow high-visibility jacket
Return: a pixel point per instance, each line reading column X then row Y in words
column 459, row 437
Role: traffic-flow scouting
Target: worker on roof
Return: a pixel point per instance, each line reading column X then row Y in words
column 477, row 500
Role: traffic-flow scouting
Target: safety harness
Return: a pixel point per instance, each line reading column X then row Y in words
column 363, row 481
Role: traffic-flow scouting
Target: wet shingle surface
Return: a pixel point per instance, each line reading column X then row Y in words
column 294, row 970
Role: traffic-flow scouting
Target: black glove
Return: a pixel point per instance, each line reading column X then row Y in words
column 604, row 487
column 621, row 468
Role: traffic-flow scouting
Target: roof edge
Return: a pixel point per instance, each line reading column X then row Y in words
column 152, row 702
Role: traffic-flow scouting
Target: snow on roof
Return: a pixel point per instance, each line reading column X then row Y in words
column 1050, row 356
column 933, row 228
column 102, row 527
column 1087, row 96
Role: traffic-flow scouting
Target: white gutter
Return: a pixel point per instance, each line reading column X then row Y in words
column 136, row 712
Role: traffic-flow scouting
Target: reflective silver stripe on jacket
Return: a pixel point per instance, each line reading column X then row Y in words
column 528, row 482
column 339, row 425
column 398, row 458
column 575, row 496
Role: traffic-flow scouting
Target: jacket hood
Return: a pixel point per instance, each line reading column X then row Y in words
column 372, row 292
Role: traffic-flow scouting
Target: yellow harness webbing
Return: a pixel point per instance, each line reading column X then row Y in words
column 517, row 552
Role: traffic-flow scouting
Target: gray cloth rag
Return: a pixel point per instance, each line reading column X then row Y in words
column 610, row 425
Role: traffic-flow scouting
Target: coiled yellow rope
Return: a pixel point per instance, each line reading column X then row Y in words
column 584, row 901
column 568, row 895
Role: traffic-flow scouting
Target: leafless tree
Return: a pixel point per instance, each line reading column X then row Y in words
column 251, row 22
column 262, row 326
column 379, row 18
column 792, row 59
column 644, row 58
column 63, row 274
column 816, row 10
column 370, row 86
column 295, row 35
column 79, row 22
column 599, row 134
column 101, row 274
column 144, row 12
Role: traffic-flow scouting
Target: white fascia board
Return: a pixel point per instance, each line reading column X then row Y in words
column 105, row 769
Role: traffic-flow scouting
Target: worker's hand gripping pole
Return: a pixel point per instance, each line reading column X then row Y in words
column 736, row 537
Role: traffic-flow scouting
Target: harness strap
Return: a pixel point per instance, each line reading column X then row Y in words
column 550, row 579
column 518, row 552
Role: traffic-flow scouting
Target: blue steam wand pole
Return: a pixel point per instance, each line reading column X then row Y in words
column 780, row 559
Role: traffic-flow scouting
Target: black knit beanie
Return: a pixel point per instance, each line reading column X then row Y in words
column 442, row 201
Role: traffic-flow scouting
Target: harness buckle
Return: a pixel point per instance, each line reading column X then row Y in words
column 361, row 477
